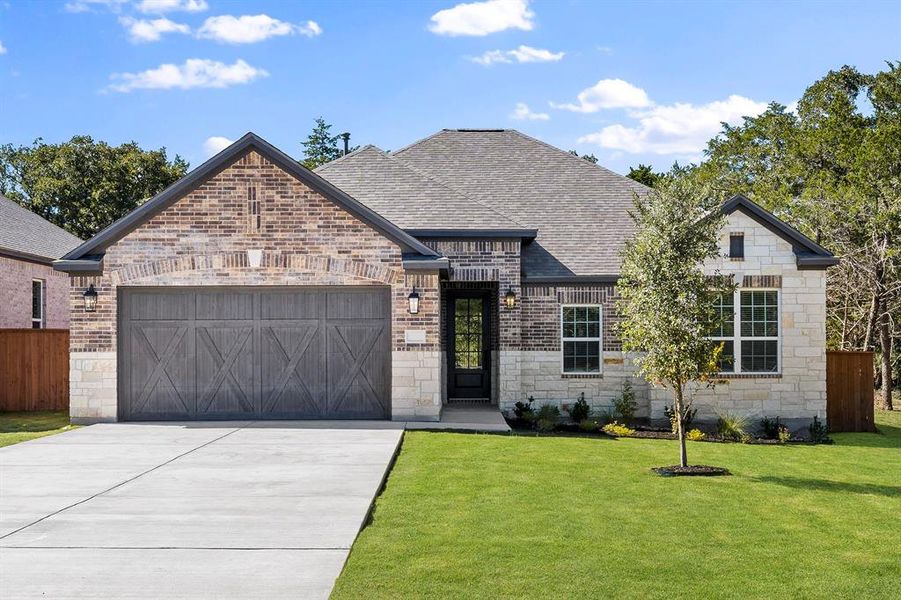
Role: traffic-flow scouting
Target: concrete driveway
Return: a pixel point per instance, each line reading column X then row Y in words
column 200, row 510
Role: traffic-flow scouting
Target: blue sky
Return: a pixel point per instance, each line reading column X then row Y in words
column 630, row 82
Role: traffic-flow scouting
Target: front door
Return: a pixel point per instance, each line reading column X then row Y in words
column 467, row 345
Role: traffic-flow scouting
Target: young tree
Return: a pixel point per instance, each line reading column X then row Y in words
column 667, row 298
column 84, row 185
column 321, row 146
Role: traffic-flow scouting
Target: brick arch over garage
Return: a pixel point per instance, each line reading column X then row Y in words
column 275, row 265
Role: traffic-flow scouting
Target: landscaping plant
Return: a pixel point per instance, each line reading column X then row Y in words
column 580, row 410
column 625, row 405
column 732, row 427
column 667, row 300
column 819, row 434
column 618, row 430
column 688, row 416
column 589, row 425
column 547, row 417
column 771, row 428
column 524, row 411
column 695, row 435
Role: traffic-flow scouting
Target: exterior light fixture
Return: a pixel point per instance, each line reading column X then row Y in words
column 510, row 298
column 413, row 299
column 90, row 299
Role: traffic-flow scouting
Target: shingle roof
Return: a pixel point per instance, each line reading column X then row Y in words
column 581, row 210
column 27, row 235
column 406, row 196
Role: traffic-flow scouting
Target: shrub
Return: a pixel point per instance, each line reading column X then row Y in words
column 695, row 435
column 771, row 427
column 618, row 430
column 605, row 417
column 819, row 434
column 625, row 405
column 588, row 425
column 784, row 434
column 580, row 410
column 521, row 409
column 547, row 417
column 687, row 418
column 731, row 427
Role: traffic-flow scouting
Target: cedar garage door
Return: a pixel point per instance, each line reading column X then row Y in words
column 254, row 353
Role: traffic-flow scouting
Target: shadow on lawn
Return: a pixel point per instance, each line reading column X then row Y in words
column 824, row 485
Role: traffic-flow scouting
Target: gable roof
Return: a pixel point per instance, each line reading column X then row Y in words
column 809, row 254
column 91, row 250
column 25, row 235
column 581, row 210
column 410, row 198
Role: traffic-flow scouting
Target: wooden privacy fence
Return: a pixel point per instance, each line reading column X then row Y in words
column 34, row 369
column 849, row 391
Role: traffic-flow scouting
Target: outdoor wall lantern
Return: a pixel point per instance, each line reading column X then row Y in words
column 90, row 299
column 413, row 299
column 510, row 298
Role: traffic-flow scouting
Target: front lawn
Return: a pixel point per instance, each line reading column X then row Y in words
column 490, row 516
column 18, row 427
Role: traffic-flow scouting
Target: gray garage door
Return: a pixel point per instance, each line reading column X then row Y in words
column 254, row 353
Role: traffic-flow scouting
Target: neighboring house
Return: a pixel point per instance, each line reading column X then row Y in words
column 32, row 294
column 471, row 266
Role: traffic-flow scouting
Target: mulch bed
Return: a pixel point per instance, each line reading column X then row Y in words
column 691, row 471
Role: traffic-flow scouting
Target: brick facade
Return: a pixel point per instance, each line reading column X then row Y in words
column 299, row 238
column 15, row 294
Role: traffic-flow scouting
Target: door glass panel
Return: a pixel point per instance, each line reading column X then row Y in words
column 468, row 342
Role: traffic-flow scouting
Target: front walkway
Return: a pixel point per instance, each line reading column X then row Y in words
column 201, row 510
column 466, row 417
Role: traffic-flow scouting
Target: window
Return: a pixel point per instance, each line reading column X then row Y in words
column 752, row 346
column 468, row 338
column 581, row 338
column 737, row 246
column 37, row 303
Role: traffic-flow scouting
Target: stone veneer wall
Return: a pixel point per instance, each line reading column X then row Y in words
column 15, row 294
column 798, row 393
column 203, row 239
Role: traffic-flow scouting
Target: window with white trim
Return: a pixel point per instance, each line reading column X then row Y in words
column 751, row 346
column 37, row 304
column 580, row 338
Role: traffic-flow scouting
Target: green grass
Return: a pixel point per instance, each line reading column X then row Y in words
column 18, row 427
column 488, row 516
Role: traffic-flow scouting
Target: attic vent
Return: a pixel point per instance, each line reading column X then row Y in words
column 254, row 220
column 737, row 246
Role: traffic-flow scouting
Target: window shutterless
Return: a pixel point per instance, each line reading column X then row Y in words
column 37, row 304
column 580, row 338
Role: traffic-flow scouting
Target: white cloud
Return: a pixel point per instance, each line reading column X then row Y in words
column 159, row 7
column 77, row 6
column 522, row 112
column 608, row 93
column 142, row 30
column 249, row 29
column 482, row 18
column 2, row 48
column 523, row 54
column 216, row 144
column 681, row 129
column 194, row 73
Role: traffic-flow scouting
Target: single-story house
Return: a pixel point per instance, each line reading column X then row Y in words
column 33, row 295
column 473, row 266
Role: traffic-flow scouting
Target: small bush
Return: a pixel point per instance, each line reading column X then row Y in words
column 580, row 410
column 589, row 425
column 618, row 430
column 687, row 418
column 547, row 417
column 784, row 434
column 695, row 435
column 731, row 427
column 521, row 409
column 771, row 427
column 819, row 434
column 625, row 405
column 605, row 417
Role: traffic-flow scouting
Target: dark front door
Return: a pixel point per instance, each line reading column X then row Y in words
column 254, row 353
column 467, row 345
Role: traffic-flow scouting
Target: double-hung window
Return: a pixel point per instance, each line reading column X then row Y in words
column 37, row 304
column 749, row 331
column 580, row 341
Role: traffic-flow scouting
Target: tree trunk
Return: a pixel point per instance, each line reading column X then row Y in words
column 885, row 342
column 871, row 322
column 679, row 407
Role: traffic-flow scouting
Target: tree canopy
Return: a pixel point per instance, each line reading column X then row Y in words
column 645, row 174
column 321, row 146
column 84, row 185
